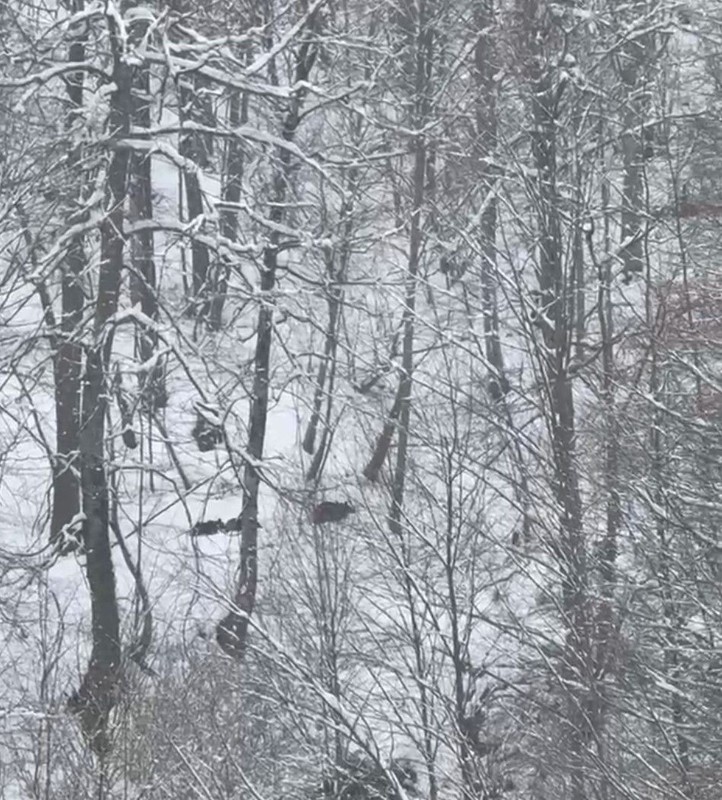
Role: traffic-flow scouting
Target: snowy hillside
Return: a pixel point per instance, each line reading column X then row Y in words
column 360, row 400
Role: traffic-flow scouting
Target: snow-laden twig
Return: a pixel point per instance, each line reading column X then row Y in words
column 285, row 41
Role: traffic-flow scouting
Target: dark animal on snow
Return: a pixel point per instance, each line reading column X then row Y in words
column 331, row 511
column 209, row 527
column 129, row 438
column 231, row 634
column 207, row 431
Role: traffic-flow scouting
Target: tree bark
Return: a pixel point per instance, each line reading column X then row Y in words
column 636, row 55
column 557, row 328
column 416, row 23
column 98, row 692
column 68, row 358
column 232, row 630
column 486, row 132
column 143, row 280
column 191, row 147
column 231, row 193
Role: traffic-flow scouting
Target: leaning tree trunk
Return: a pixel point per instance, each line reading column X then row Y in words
column 232, row 630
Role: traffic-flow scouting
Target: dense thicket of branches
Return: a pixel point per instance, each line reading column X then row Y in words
column 360, row 399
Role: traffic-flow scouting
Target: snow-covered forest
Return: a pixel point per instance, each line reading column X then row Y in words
column 360, row 399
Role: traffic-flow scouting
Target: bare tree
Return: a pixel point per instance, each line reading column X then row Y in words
column 233, row 628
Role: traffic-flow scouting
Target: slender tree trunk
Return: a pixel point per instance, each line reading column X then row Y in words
column 578, row 276
column 416, row 24
column 231, row 193
column 326, row 365
column 557, row 329
column 670, row 594
column 471, row 784
column 486, row 131
column 335, row 276
column 68, row 357
column 143, row 281
column 407, row 353
column 604, row 613
column 232, row 630
column 191, row 147
column 636, row 55
column 326, row 372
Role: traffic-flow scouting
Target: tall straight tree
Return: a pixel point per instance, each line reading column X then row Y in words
column 143, row 280
column 241, row 17
column 232, row 630
column 99, row 689
column 638, row 22
column 68, row 359
column 417, row 38
column 540, row 45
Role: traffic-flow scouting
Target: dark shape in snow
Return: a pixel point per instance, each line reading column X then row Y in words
column 129, row 439
column 207, row 431
column 231, row 634
column 498, row 388
column 358, row 777
column 331, row 511
column 210, row 527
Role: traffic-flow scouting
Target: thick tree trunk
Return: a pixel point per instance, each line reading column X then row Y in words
column 98, row 692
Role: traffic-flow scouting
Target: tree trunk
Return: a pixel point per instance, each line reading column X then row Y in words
column 68, row 358
column 334, row 296
column 415, row 23
column 231, row 193
column 635, row 59
column 486, row 131
column 191, row 147
column 143, row 281
column 98, row 692
column 557, row 327
column 232, row 630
